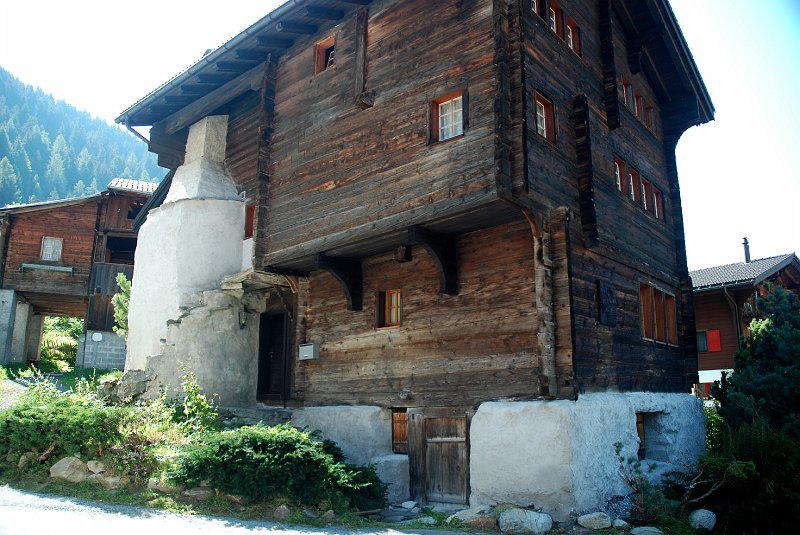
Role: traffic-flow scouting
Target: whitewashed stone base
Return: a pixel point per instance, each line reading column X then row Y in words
column 560, row 455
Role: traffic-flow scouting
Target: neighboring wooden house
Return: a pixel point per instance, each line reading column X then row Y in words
column 725, row 303
column 60, row 258
column 447, row 234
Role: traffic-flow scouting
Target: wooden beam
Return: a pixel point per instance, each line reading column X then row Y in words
column 213, row 100
column 349, row 274
column 610, row 98
column 442, row 249
column 253, row 54
column 274, row 42
column 214, row 79
column 235, row 66
column 196, row 89
column 288, row 26
column 320, row 12
column 585, row 168
column 360, row 67
column 359, row 2
column 178, row 99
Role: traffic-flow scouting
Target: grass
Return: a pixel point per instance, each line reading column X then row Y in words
column 67, row 379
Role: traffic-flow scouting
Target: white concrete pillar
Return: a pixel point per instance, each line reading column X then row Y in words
column 8, row 311
column 20, row 334
column 33, row 338
column 188, row 244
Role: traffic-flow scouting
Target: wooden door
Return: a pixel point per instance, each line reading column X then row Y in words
column 273, row 357
column 438, row 455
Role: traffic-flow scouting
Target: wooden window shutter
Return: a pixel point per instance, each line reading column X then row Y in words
column 713, row 340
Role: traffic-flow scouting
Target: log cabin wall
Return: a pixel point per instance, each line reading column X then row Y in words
column 448, row 350
column 614, row 242
column 342, row 173
column 76, row 226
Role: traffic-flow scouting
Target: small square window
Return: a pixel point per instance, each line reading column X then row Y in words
column 633, row 185
column 646, row 190
column 447, row 117
column 535, row 6
column 545, row 118
column 325, row 54
column 51, row 249
column 555, row 19
column 659, row 319
column 648, row 117
column 573, row 34
column 388, row 308
column 619, row 172
column 709, row 341
column 657, row 200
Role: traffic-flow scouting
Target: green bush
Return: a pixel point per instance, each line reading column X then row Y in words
column 61, row 425
column 272, row 462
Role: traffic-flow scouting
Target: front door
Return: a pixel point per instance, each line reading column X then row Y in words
column 273, row 361
column 438, row 455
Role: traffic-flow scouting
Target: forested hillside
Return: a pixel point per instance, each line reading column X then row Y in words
column 50, row 150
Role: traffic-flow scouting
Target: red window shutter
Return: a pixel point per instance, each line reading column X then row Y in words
column 714, row 343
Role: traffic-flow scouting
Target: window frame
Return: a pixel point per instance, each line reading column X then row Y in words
column 712, row 344
column 658, row 314
column 545, row 110
column 389, row 303
column 555, row 19
column 435, row 115
column 322, row 61
column 572, row 35
column 45, row 249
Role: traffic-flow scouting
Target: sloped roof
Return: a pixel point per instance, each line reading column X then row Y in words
column 44, row 205
column 740, row 273
column 135, row 186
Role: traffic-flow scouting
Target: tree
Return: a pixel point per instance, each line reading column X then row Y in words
column 121, row 300
column 9, row 185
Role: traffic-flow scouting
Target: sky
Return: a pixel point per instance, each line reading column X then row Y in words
column 738, row 174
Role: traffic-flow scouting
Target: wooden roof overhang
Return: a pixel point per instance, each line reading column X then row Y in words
column 236, row 66
column 657, row 48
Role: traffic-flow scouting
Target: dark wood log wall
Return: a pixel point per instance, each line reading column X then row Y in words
column 449, row 350
column 76, row 225
column 624, row 244
column 342, row 172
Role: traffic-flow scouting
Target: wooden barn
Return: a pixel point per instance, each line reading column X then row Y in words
column 725, row 303
column 446, row 234
column 61, row 258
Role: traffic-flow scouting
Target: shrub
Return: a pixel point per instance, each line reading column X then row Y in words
column 271, row 462
column 121, row 301
column 200, row 415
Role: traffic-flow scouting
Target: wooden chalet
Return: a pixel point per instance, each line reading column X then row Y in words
column 725, row 303
column 60, row 258
column 452, row 204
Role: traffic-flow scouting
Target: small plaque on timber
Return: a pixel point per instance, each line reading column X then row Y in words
column 607, row 303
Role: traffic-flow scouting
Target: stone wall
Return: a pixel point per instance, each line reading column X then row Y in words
column 105, row 354
column 560, row 455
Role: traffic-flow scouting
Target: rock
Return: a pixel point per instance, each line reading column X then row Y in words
column 11, row 457
column 198, row 493
column 281, row 512
column 96, row 467
column 107, row 481
column 426, row 520
column 595, row 521
column 156, row 483
column 702, row 519
column 237, row 499
column 69, row 469
column 309, row 513
column 646, row 530
column 464, row 515
column 328, row 516
column 620, row 524
column 26, row 459
column 524, row 522
column 408, row 505
column 482, row 523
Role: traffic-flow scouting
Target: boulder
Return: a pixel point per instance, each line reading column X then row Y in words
column 26, row 459
column 482, row 523
column 282, row 512
column 96, row 467
column 595, row 521
column 702, row 519
column 328, row 516
column 646, row 530
column 108, row 481
column 69, row 469
column 408, row 505
column 310, row 513
column 620, row 524
column 524, row 522
column 426, row 520
column 198, row 493
column 156, row 483
column 238, row 499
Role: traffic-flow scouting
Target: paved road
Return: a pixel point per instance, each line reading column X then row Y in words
column 26, row 513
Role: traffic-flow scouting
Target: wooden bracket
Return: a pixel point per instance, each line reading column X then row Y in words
column 442, row 249
column 348, row 272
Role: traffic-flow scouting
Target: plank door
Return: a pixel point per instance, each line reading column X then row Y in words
column 273, row 357
column 438, row 455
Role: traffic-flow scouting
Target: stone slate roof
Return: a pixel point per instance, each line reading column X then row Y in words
column 135, row 186
column 740, row 273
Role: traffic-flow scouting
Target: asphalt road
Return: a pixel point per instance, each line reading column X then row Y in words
column 26, row 513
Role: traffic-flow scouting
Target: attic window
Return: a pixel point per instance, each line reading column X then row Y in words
column 325, row 54
column 388, row 308
column 51, row 249
column 134, row 208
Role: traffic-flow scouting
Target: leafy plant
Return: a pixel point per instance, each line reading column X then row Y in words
column 648, row 500
column 59, row 344
column 199, row 413
column 270, row 462
column 121, row 301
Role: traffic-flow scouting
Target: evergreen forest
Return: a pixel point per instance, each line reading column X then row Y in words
column 50, row 150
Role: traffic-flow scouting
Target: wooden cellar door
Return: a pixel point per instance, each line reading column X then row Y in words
column 273, row 361
column 438, row 455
